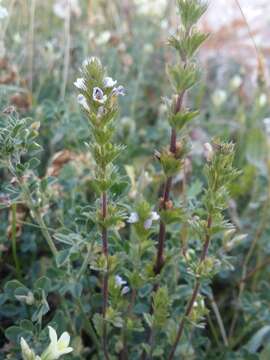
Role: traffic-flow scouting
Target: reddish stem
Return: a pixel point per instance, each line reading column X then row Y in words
column 166, row 195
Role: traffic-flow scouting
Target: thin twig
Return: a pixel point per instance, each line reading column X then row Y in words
column 66, row 52
column 31, row 43
column 219, row 320
column 14, row 240
column 252, row 247
column 166, row 195
column 195, row 291
column 105, row 284
column 88, row 325
column 255, row 270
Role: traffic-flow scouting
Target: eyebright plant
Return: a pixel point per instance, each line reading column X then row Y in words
column 121, row 277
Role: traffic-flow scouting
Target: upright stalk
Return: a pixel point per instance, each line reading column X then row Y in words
column 166, row 194
column 98, row 98
column 195, row 290
column 66, row 51
column 183, row 77
column 219, row 173
column 14, row 240
column 106, row 274
column 31, row 43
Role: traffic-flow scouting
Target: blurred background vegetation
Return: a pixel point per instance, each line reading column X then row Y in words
column 42, row 45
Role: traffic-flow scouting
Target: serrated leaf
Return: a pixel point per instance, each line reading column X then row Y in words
column 179, row 120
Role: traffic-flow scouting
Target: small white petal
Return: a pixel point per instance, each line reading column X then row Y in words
column 64, row 339
column 82, row 101
column 80, row 84
column 52, row 335
column 66, row 350
column 108, row 82
column 148, row 223
column 27, row 353
column 119, row 91
column 133, row 218
column 119, row 281
column 125, row 290
column 91, row 60
column 154, row 216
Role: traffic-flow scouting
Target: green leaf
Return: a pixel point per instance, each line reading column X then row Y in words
column 43, row 283
column 171, row 216
column 179, row 120
column 191, row 11
column 161, row 303
column 148, row 319
column 188, row 46
column 170, row 164
column 265, row 354
column 62, row 257
column 183, row 77
column 33, row 163
column 14, row 333
column 258, row 339
column 11, row 286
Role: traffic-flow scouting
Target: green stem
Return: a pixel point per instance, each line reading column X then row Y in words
column 219, row 320
column 89, row 327
column 85, row 263
column 213, row 330
column 35, row 213
column 14, row 240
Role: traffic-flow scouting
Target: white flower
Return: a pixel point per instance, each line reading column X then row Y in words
column 82, row 101
column 219, row 97
column 120, row 90
column 208, row 151
column 80, row 84
column 90, row 60
column 27, row 352
column 153, row 217
column 133, row 218
column 99, row 96
column 119, row 281
column 57, row 347
column 108, row 82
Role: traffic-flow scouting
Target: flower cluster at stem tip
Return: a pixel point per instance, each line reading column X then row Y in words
column 100, row 94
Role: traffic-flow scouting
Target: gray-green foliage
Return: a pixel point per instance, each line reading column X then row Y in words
column 93, row 269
